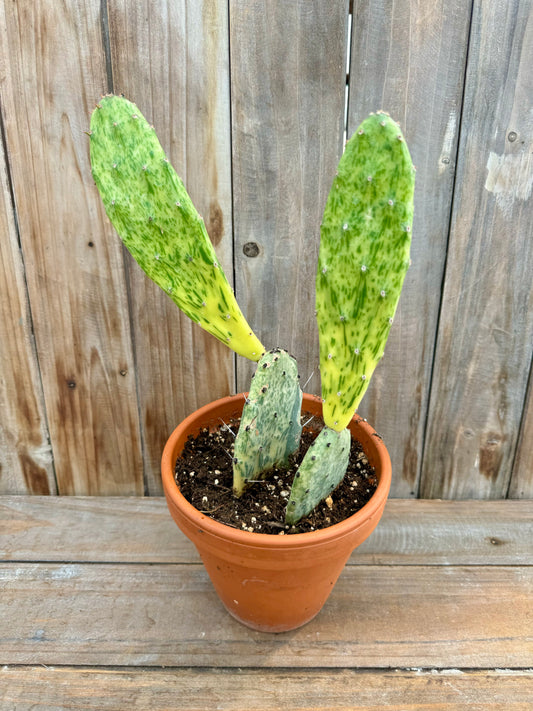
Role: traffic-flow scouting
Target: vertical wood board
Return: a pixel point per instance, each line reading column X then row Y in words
column 288, row 86
column 171, row 59
column 410, row 61
column 485, row 338
column 54, row 71
column 522, row 478
column 25, row 454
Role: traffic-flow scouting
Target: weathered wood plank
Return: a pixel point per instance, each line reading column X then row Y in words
column 25, row 455
column 485, row 339
column 287, row 85
column 137, row 530
column 408, row 59
column 26, row 688
column 522, row 477
column 52, row 73
column 172, row 59
column 169, row 615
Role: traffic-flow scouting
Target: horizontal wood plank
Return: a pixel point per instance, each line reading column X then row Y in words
column 25, row 688
column 137, row 530
column 169, row 615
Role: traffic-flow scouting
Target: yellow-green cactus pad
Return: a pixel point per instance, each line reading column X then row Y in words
column 363, row 259
column 150, row 209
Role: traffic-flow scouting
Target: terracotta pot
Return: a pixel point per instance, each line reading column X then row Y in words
column 268, row 582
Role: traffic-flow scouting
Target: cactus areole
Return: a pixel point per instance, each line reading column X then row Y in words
column 363, row 258
column 150, row 209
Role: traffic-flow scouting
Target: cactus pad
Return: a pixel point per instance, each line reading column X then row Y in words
column 150, row 209
column 270, row 424
column 363, row 259
column 321, row 471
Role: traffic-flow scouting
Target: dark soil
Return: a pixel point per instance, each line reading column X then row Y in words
column 204, row 475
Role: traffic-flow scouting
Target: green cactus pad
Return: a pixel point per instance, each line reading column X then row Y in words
column 321, row 471
column 150, row 209
column 270, row 426
column 363, row 259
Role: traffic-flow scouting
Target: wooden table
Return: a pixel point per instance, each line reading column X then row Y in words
column 104, row 605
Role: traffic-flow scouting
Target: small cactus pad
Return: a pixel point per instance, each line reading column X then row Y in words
column 363, row 259
column 321, row 471
column 150, row 209
column 270, row 426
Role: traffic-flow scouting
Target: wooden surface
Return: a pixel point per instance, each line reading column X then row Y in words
column 251, row 101
column 286, row 146
column 73, row 268
column 483, row 358
column 26, row 460
column 427, row 74
column 191, row 114
column 105, row 605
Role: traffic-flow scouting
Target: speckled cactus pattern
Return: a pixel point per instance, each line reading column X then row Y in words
column 270, row 426
column 150, row 209
column 320, row 472
column 363, row 259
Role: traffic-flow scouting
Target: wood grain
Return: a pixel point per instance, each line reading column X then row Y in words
column 485, row 339
column 25, row 455
column 249, row 101
column 521, row 486
column 184, row 90
column 26, row 688
column 409, row 60
column 137, row 530
column 53, row 72
column 169, row 615
column 287, row 86
column 453, row 635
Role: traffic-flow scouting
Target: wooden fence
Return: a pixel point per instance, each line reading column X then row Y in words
column 248, row 97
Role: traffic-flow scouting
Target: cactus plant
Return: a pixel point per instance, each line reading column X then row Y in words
column 364, row 254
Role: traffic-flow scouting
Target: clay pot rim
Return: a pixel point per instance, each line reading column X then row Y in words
column 269, row 540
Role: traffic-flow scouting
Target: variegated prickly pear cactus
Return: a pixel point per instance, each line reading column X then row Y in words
column 270, row 426
column 364, row 255
column 363, row 259
column 150, row 209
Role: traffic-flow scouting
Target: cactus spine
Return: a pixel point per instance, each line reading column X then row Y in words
column 150, row 209
column 270, row 424
column 363, row 259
